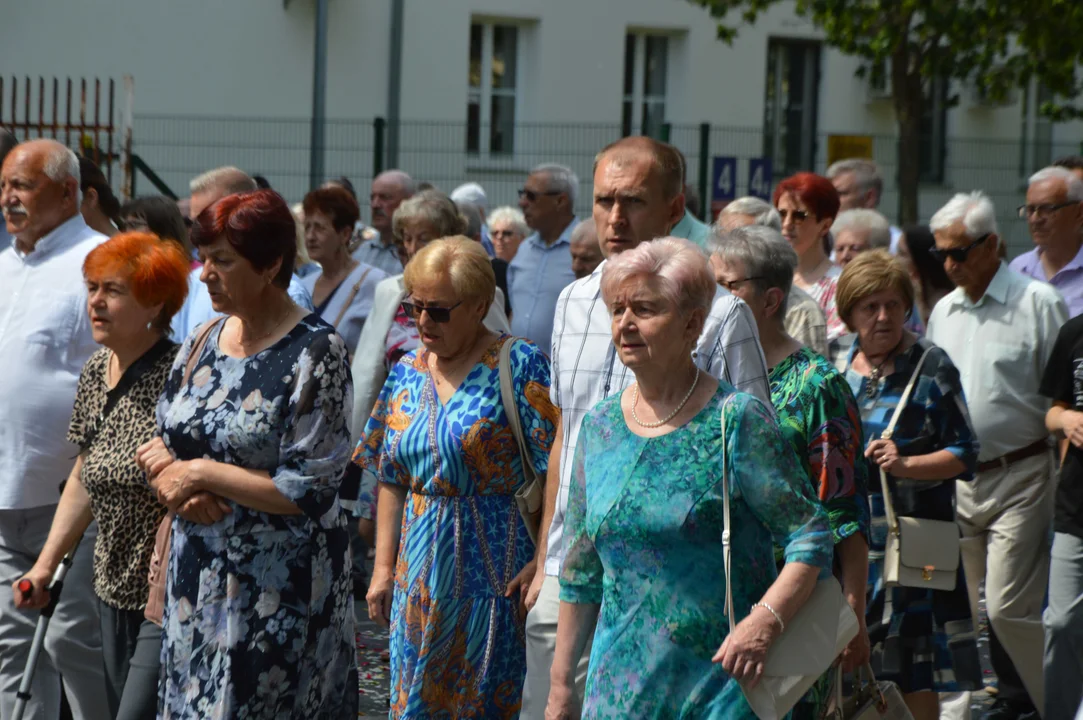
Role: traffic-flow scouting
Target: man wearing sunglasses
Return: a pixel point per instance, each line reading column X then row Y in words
column 1054, row 214
column 999, row 328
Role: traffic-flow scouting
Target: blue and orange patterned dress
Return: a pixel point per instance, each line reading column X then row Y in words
column 458, row 647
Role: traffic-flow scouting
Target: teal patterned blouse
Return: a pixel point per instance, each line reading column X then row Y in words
column 645, row 521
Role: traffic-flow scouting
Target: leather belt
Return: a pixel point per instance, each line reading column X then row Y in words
column 1035, row 448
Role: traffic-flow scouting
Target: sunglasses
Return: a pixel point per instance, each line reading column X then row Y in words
column 731, row 285
column 799, row 216
column 532, row 196
column 438, row 315
column 957, row 254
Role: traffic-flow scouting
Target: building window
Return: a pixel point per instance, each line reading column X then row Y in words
column 491, row 100
column 934, row 123
column 643, row 111
column 793, row 88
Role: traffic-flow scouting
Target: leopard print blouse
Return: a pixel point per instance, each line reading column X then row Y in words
column 126, row 509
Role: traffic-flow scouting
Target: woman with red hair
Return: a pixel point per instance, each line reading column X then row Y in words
column 808, row 204
column 135, row 284
column 258, row 617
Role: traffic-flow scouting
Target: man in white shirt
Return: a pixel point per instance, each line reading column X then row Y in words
column 999, row 328
column 638, row 188
column 860, row 185
column 45, row 339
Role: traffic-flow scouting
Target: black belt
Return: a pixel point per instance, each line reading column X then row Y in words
column 1035, row 448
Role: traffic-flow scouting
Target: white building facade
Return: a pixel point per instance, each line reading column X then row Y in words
column 490, row 88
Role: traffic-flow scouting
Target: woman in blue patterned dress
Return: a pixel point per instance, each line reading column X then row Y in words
column 453, row 554
column 258, row 620
column 921, row 639
column 645, row 517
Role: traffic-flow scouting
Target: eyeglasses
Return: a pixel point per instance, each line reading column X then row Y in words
column 731, row 285
column 799, row 216
column 957, row 254
column 502, row 233
column 1025, row 211
column 438, row 315
column 532, row 195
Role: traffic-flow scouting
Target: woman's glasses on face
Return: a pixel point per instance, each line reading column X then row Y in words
column 799, row 216
column 439, row 315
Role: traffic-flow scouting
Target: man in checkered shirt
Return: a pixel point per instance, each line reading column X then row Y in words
column 638, row 196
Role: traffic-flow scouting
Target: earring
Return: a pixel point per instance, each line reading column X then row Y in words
column 150, row 325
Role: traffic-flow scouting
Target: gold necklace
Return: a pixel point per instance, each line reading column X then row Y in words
column 253, row 341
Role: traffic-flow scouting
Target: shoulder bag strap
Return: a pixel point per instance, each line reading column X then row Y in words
column 889, row 506
column 511, row 409
column 351, row 296
column 726, row 521
column 197, row 347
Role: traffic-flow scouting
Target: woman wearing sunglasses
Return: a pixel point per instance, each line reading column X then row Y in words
column 453, row 554
column 808, row 204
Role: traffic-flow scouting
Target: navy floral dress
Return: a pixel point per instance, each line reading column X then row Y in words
column 258, row 620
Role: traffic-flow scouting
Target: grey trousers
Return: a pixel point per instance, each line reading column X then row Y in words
column 73, row 646
column 1063, row 621
column 541, row 643
column 132, row 647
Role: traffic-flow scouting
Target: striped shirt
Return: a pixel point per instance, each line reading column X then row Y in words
column 586, row 370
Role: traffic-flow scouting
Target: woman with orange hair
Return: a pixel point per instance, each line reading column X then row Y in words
column 135, row 284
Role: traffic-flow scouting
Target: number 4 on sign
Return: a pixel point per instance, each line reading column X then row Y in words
column 759, row 178
column 724, row 188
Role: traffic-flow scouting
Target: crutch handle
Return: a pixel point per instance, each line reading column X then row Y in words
column 26, row 587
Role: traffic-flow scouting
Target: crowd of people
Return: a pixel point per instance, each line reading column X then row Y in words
column 557, row 437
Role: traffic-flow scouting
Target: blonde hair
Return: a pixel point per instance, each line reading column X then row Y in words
column 871, row 272
column 462, row 260
column 302, row 258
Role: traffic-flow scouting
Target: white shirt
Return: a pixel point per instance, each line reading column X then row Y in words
column 586, row 370
column 896, row 233
column 45, row 339
column 1000, row 345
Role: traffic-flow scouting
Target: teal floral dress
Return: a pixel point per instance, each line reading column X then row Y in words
column 458, row 648
column 645, row 518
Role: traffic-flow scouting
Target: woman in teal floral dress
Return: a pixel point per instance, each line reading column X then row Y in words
column 646, row 521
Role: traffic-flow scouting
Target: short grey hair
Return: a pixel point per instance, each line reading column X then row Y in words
column 471, row 216
column 433, row 208
column 875, row 226
column 584, row 232
column 405, row 182
column 1072, row 184
column 226, row 180
column 974, row 210
column 561, row 179
column 763, row 252
column 471, row 193
column 866, row 174
column 762, row 212
column 61, row 163
column 511, row 216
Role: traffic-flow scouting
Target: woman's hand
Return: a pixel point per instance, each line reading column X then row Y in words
column 857, row 653
column 381, row 590
column 177, row 483
column 38, row 597
column 886, row 454
column 204, row 508
column 745, row 649
column 521, row 583
column 534, row 591
column 152, row 457
column 563, row 703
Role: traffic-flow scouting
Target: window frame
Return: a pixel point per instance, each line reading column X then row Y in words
column 634, row 105
column 484, row 94
column 774, row 118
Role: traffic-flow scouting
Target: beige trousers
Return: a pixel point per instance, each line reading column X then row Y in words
column 541, row 643
column 1005, row 516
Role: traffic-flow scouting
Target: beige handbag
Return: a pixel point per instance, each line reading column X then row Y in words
column 814, row 637
column 918, row 552
column 872, row 699
column 531, row 496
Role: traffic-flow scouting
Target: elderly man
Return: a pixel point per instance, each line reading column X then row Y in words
column 389, row 189
column 542, row 267
column 45, row 339
column 637, row 198
column 804, row 320
column 999, row 327
column 1054, row 214
column 586, row 253
column 858, row 230
column 207, row 189
column 7, row 144
column 860, row 185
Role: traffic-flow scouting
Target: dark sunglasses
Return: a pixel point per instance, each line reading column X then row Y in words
column 439, row 315
column 957, row 254
column 532, row 196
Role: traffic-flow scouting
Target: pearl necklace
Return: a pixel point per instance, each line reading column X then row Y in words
column 667, row 418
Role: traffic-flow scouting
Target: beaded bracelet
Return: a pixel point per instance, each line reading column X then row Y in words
column 771, row 610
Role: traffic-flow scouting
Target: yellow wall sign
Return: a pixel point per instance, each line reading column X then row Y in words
column 842, row 147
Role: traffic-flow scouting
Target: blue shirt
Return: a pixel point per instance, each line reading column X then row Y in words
column 1068, row 280
column 692, row 229
column 383, row 257
column 197, row 309
column 5, row 239
column 536, row 276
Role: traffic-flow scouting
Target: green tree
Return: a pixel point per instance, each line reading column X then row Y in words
column 997, row 45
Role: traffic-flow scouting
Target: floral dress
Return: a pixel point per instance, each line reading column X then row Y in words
column 258, row 620
column 645, row 521
column 458, row 648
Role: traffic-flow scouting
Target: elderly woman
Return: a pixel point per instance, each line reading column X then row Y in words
column 922, row 639
column 507, row 229
column 808, row 204
column 343, row 291
column 135, row 283
column 453, row 553
column 931, row 283
column 815, row 409
column 857, row 231
column 645, row 523
column 258, row 619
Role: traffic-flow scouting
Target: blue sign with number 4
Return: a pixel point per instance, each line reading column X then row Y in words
column 759, row 178
column 724, row 179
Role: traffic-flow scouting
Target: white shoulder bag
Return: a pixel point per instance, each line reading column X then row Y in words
column 531, row 496
column 814, row 637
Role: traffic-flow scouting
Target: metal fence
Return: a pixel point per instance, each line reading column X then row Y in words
column 178, row 148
